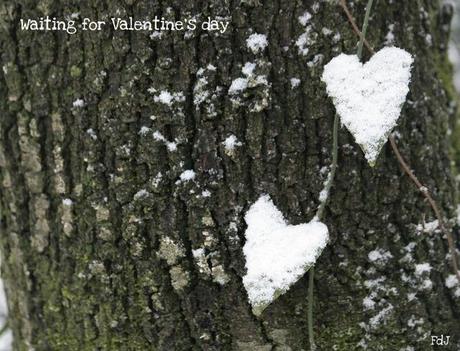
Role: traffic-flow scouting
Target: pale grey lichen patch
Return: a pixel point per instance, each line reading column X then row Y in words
column 6, row 181
column 41, row 227
column 136, row 249
column 209, row 265
column 156, row 302
column 201, row 261
column 253, row 346
column 279, row 336
column 179, row 278
column 66, row 217
column 21, row 298
column 170, row 251
column 207, row 221
column 58, row 138
column 96, row 267
column 30, row 152
column 105, row 233
column 255, row 79
column 219, row 275
column 308, row 37
column 102, row 213
column 12, row 78
column 209, row 240
column 98, row 271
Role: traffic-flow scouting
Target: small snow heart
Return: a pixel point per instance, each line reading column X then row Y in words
column 277, row 254
column 369, row 97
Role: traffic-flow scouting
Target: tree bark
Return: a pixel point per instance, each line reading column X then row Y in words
column 98, row 231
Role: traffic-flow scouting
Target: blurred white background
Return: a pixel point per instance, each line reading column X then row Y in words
column 454, row 49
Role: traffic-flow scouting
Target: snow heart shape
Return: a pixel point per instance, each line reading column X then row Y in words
column 369, row 97
column 277, row 254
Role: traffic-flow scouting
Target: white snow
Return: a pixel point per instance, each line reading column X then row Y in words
column 231, row 142
column 160, row 137
column 156, row 35
column 411, row 296
column 67, row 202
column 390, row 37
column 429, row 227
column 303, row 20
column 171, row 146
column 257, row 42
column 295, row 82
column 277, row 254
column 92, row 134
column 324, row 193
column 368, row 303
column 248, row 69
column 187, row 175
column 238, row 85
column 198, row 252
column 422, row 268
column 451, row 281
column 144, row 130
column 205, row 193
column 303, row 41
column 79, row 103
column 379, row 255
column 381, row 317
column 165, row 97
column 140, row 194
column 369, row 97
column 427, row 284
column 157, row 179
column 326, row 31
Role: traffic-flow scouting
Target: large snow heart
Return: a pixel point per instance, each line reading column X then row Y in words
column 277, row 254
column 369, row 97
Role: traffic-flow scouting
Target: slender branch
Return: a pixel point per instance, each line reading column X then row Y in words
column 311, row 335
column 331, row 176
column 319, row 216
column 355, row 27
column 364, row 30
column 425, row 192
column 4, row 328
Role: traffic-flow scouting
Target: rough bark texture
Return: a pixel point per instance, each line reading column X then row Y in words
column 97, row 233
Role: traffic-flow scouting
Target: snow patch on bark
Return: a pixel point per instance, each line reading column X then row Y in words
column 277, row 254
column 257, row 42
column 369, row 97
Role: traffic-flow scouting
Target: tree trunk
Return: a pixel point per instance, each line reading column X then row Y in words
column 100, row 235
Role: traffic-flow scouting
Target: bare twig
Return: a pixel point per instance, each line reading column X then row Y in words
column 363, row 31
column 355, row 27
column 311, row 335
column 331, row 176
column 425, row 192
column 4, row 328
